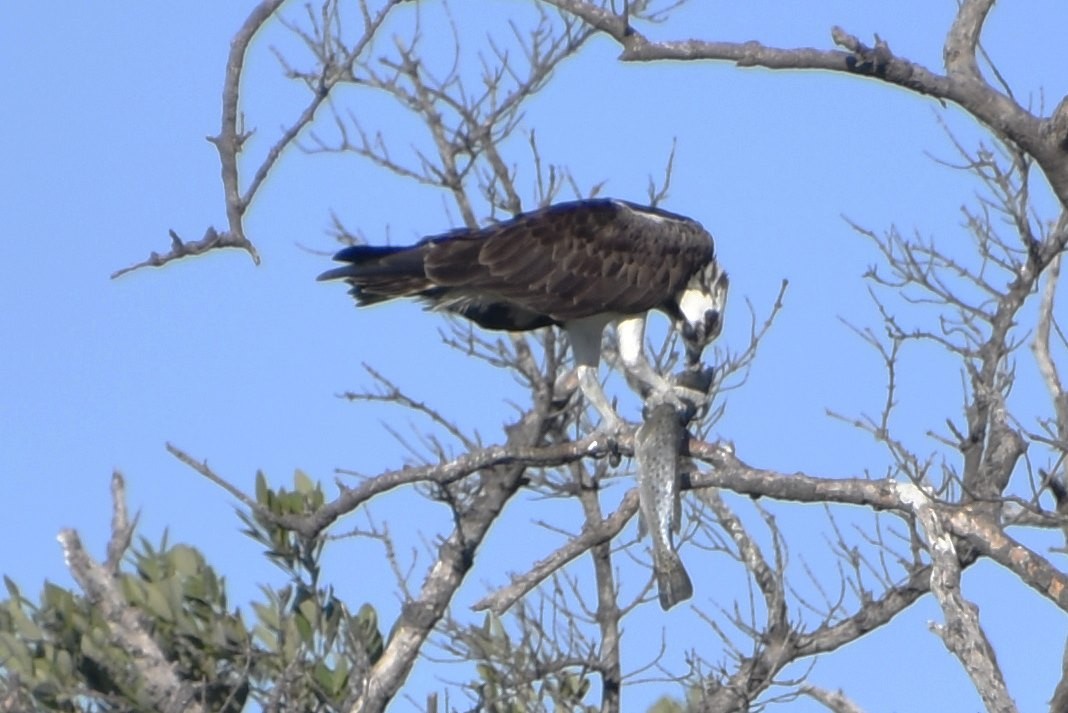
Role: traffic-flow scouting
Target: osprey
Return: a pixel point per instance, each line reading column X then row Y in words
column 577, row 265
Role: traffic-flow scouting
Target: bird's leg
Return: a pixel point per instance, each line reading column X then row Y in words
column 611, row 426
column 585, row 337
column 590, row 384
column 655, row 388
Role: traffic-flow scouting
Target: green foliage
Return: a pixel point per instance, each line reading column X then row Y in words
column 304, row 649
column 62, row 655
column 291, row 551
column 667, row 704
column 304, row 622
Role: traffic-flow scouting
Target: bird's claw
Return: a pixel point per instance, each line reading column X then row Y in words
column 607, row 435
column 690, row 391
column 686, row 401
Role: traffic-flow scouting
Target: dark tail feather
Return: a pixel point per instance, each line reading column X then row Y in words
column 379, row 273
column 376, row 260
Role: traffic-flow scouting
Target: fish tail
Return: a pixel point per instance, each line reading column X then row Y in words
column 672, row 581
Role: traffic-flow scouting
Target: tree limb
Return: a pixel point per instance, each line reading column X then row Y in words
column 962, row 633
column 456, row 556
column 962, row 85
column 151, row 676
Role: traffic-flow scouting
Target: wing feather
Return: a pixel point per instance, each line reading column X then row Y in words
column 573, row 260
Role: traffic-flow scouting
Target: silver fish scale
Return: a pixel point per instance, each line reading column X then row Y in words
column 657, row 445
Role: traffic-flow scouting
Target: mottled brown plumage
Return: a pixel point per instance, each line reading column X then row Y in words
column 579, row 265
column 549, row 266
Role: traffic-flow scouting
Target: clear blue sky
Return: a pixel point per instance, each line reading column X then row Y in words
column 102, row 151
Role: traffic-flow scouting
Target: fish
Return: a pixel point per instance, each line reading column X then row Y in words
column 656, row 448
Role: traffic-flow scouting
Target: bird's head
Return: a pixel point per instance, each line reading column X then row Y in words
column 700, row 313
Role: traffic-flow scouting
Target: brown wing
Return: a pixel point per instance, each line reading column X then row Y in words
column 575, row 259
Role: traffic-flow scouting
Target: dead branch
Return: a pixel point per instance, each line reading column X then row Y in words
column 154, row 679
column 962, row 83
column 962, row 633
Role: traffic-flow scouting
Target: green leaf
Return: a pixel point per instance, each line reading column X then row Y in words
column 486, row 673
column 667, row 704
column 291, row 642
column 304, row 628
column 57, row 598
column 325, row 678
column 302, row 483
column 91, row 645
column 267, row 614
column 24, row 626
column 185, row 560
column 15, row 654
column 64, row 664
column 309, row 609
column 367, row 618
column 292, row 503
column 133, row 590
column 156, row 601
column 172, row 589
column 268, row 637
column 149, row 569
column 341, row 675
column 12, row 588
column 263, row 493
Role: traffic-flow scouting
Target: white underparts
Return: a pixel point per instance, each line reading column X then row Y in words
column 585, row 337
column 631, row 334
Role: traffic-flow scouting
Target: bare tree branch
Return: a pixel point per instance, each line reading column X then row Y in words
column 590, row 537
column 229, row 143
column 836, row 701
column 151, row 675
column 1034, row 570
column 455, row 557
column 962, row 85
column 947, row 505
column 608, row 614
column 961, row 632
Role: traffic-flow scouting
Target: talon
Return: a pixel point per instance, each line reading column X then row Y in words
column 609, row 431
column 686, row 402
column 697, row 379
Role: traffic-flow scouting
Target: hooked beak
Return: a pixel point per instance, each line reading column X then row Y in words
column 697, row 335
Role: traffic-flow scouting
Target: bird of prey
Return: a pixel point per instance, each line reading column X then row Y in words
column 578, row 265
